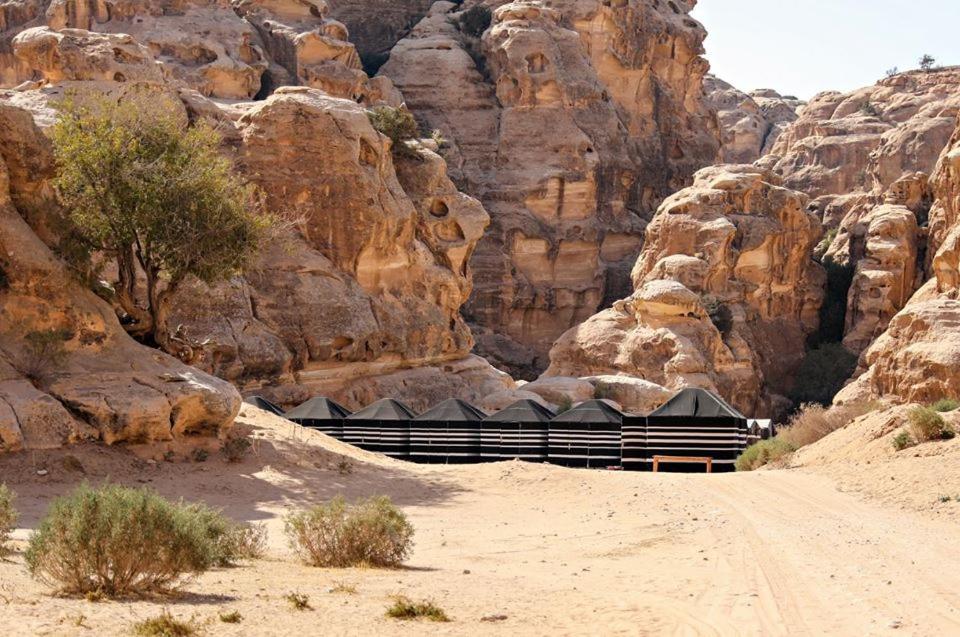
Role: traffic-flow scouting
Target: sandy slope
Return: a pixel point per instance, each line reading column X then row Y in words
column 559, row 552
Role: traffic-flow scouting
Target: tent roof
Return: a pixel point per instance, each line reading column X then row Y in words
column 318, row 408
column 525, row 410
column 696, row 403
column 591, row 411
column 385, row 409
column 262, row 403
column 452, row 410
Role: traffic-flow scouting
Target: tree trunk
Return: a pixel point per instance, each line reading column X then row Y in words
column 141, row 322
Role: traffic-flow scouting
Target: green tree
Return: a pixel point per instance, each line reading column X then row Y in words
column 927, row 62
column 152, row 192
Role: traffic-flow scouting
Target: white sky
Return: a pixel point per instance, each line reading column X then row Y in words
column 802, row 47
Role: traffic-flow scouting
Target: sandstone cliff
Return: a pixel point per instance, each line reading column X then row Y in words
column 570, row 121
column 68, row 371
column 726, row 294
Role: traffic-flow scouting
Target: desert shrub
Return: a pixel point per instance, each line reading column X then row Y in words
column 200, row 454
column 404, row 608
column 372, row 532
column 902, row 441
column 298, row 601
column 233, row 617
column 172, row 209
column 399, row 125
column 230, row 541
column 944, row 405
column 927, row 62
column 812, row 422
column 763, row 452
column 892, row 71
column 235, row 448
column 868, row 108
column 564, row 404
column 822, row 373
column 164, row 625
column 927, row 425
column 8, row 517
column 719, row 313
column 476, row 20
column 117, row 541
column 44, row 351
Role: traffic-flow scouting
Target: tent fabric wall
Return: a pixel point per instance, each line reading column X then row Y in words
column 383, row 427
column 519, row 431
column 322, row 414
column 448, row 433
column 587, row 435
column 633, row 443
column 696, row 423
column 262, row 403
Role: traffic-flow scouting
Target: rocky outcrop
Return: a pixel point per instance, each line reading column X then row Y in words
column 68, row 370
column 726, row 294
column 749, row 124
column 915, row 359
column 570, row 121
column 377, row 25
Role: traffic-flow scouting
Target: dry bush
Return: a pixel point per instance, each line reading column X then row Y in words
column 902, row 441
column 164, row 625
column 399, row 125
column 8, row 517
column 44, row 351
column 944, row 405
column 233, row 617
column 404, row 608
column 235, row 448
column 762, row 453
column 298, row 601
column 813, row 422
column 927, row 425
column 372, row 532
column 119, row 541
column 230, row 541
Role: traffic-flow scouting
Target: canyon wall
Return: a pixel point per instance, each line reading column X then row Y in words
column 570, row 121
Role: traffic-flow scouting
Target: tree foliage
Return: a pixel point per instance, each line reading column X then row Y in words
column 154, row 193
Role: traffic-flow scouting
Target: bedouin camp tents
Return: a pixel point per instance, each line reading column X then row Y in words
column 320, row 413
column 518, row 431
column 696, row 423
column 262, row 403
column 383, row 426
column 758, row 430
column 448, row 433
column 587, row 435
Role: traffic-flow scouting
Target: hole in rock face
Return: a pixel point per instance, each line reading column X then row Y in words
column 438, row 208
column 119, row 77
column 536, row 63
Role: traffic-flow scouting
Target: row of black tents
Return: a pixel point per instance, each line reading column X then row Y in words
column 694, row 423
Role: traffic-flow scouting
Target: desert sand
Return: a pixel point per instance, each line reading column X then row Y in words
column 521, row 549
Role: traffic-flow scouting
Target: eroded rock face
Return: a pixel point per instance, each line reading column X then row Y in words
column 749, row 124
column 98, row 383
column 370, row 281
column 867, row 139
column 738, row 243
column 569, row 121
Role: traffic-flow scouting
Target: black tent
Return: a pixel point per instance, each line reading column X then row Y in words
column 587, row 435
column 696, row 423
column 320, row 413
column 383, row 426
column 447, row 433
column 518, row 431
column 262, row 403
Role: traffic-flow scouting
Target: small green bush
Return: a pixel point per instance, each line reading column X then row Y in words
column 927, row 425
column 233, row 617
column 235, row 448
column 399, row 125
column 763, row 452
column 8, row 517
column 117, row 541
column 404, row 608
column 45, row 351
column 476, row 20
column 164, row 625
column 902, row 441
column 565, row 404
column 372, row 532
column 944, row 405
column 230, row 541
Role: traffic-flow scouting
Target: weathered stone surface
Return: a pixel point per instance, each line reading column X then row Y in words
column 101, row 384
column 749, row 124
column 569, row 122
column 738, row 240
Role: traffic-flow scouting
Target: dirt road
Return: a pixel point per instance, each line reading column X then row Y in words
column 518, row 549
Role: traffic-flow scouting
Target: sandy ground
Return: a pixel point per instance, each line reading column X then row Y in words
column 545, row 550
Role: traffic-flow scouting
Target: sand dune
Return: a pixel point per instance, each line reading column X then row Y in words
column 554, row 551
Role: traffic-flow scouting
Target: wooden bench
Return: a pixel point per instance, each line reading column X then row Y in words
column 683, row 459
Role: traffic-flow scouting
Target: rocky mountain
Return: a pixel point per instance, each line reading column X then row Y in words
column 570, row 121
